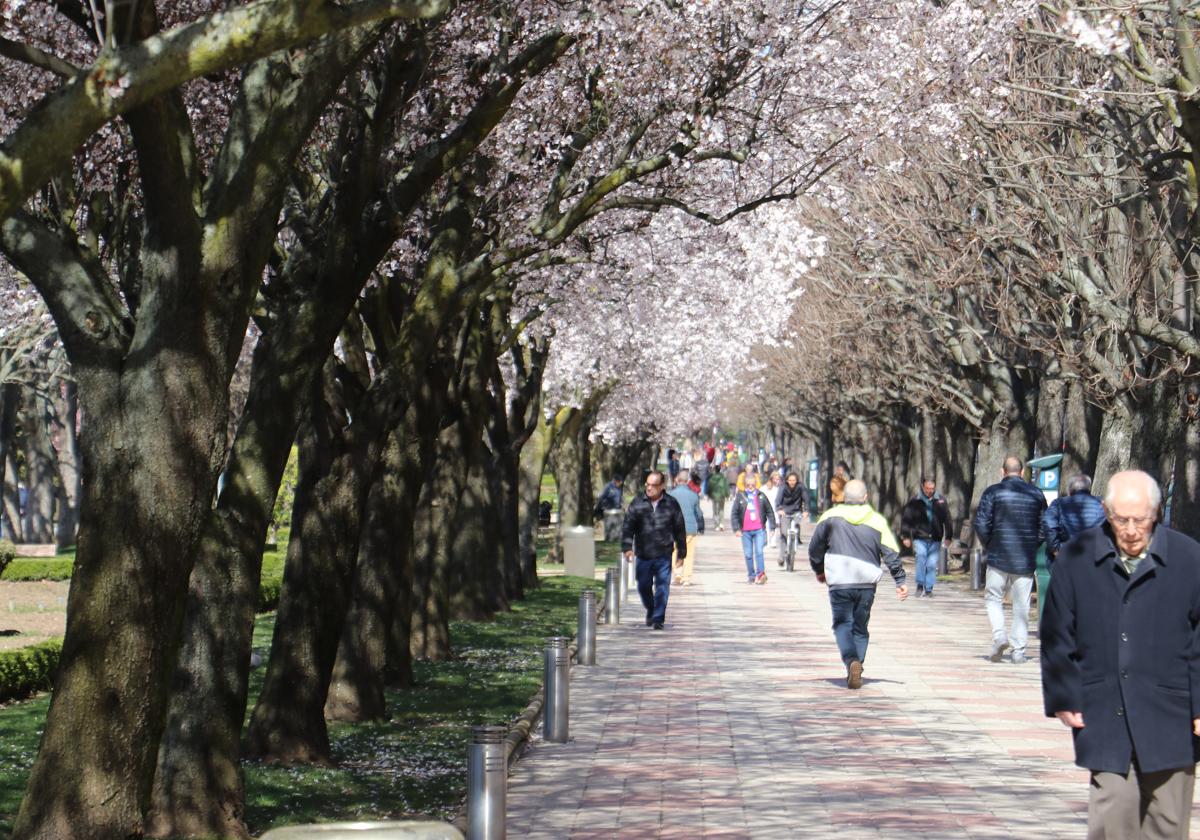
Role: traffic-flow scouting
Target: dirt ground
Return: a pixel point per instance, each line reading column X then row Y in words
column 31, row 612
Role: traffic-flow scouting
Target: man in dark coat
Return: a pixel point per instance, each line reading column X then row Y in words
column 654, row 524
column 1008, row 522
column 1070, row 514
column 1120, row 637
column 924, row 526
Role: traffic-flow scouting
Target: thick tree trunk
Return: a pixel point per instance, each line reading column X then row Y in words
column 429, row 630
column 1081, row 433
column 1115, row 446
column 572, row 471
column 10, row 516
column 40, row 469
column 149, row 476
column 337, row 468
column 955, row 470
column 383, row 571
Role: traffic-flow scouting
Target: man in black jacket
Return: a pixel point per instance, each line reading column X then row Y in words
column 924, row 526
column 654, row 524
column 1009, row 523
column 1120, row 641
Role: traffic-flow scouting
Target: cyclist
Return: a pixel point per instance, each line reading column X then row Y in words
column 793, row 500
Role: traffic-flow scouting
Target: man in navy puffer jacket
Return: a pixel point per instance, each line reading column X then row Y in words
column 1009, row 523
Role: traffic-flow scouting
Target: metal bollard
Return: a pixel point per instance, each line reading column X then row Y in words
column 943, row 560
column 585, row 637
column 622, row 581
column 558, row 686
column 387, row 830
column 612, row 598
column 487, row 783
column 630, row 570
column 978, row 569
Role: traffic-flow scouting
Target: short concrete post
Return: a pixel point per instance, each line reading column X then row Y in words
column 487, row 784
column 585, row 637
column 978, row 569
column 558, row 686
column 612, row 598
column 943, row 560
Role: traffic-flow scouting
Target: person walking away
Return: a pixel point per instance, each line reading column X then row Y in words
column 693, row 523
column 793, row 501
column 1120, row 637
column 748, row 519
column 654, row 524
column 673, row 466
column 718, row 494
column 610, row 497
column 849, row 548
column 701, row 470
column 925, row 527
column 1068, row 515
column 774, row 490
column 1008, row 522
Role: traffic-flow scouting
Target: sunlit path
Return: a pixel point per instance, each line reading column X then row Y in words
column 735, row 722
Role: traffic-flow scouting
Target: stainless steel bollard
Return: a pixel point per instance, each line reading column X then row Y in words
column 622, row 581
column 630, row 570
column 978, row 569
column 388, row 830
column 487, row 783
column 585, row 636
column 612, row 598
column 943, row 560
column 558, row 687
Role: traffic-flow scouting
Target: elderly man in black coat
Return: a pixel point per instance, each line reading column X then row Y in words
column 1120, row 635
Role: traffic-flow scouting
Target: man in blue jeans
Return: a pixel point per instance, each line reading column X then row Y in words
column 850, row 546
column 924, row 527
column 654, row 524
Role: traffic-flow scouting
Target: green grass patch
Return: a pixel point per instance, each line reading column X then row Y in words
column 57, row 567
column 413, row 764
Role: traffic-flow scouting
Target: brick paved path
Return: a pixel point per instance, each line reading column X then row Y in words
column 735, row 722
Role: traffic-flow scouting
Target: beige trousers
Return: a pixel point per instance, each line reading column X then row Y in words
column 1141, row 806
column 683, row 575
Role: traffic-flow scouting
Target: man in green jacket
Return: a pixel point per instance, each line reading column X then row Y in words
column 850, row 546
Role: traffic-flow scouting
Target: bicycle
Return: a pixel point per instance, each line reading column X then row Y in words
column 793, row 540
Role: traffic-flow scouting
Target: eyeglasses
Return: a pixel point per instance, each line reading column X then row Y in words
column 654, row 484
column 1122, row 521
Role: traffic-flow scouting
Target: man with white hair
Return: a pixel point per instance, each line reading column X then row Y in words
column 1120, row 636
column 848, row 550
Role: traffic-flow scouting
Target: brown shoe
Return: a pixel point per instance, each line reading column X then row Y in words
column 854, row 674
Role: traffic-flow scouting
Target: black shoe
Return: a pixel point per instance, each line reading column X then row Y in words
column 649, row 620
column 928, row 593
column 658, row 625
column 920, row 591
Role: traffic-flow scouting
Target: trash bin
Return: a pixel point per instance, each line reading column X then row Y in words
column 613, row 520
column 393, row 830
column 579, row 551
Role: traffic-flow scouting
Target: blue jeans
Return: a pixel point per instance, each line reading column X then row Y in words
column 851, row 612
column 927, row 553
column 654, row 585
column 753, row 544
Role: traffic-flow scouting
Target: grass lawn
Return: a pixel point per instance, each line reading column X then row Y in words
column 413, row 764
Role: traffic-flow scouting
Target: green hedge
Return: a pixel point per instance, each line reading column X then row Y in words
column 7, row 552
column 26, row 670
column 39, row 568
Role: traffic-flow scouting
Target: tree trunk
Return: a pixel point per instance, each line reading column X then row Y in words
column 10, row 515
column 429, row 630
column 337, row 468
column 956, row 445
column 40, row 469
column 1185, row 500
column 534, row 455
column 1115, row 445
column 383, row 571
column 66, row 423
column 1081, row 433
column 572, row 471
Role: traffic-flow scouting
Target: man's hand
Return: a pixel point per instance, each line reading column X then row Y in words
column 1196, row 726
column 629, row 556
column 679, row 563
column 820, row 578
column 737, row 533
column 1074, row 720
column 902, row 592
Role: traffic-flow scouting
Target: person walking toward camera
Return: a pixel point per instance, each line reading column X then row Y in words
column 1120, row 636
column 654, row 525
column 924, row 527
column 749, row 517
column 849, row 548
column 693, row 522
column 1008, row 522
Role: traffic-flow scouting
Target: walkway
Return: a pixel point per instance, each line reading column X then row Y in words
column 735, row 722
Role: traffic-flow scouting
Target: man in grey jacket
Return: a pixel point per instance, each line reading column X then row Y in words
column 1009, row 523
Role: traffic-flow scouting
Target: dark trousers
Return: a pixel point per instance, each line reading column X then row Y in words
column 654, row 585
column 851, row 613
